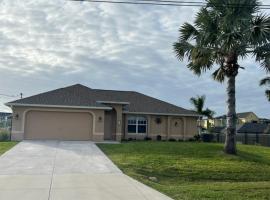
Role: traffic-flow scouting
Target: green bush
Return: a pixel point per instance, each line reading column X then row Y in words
column 147, row 138
column 4, row 136
column 207, row 137
column 197, row 137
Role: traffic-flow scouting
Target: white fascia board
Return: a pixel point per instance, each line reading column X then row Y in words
column 58, row 106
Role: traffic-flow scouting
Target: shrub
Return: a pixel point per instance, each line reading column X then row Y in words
column 207, row 137
column 172, row 140
column 159, row 137
column 197, row 137
column 4, row 136
column 180, row 140
column 191, row 140
column 147, row 138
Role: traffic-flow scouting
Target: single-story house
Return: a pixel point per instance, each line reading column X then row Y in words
column 81, row 113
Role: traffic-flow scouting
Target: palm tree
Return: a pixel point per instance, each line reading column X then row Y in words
column 266, row 81
column 198, row 103
column 225, row 31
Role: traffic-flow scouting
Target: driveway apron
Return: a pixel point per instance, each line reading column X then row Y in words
column 66, row 170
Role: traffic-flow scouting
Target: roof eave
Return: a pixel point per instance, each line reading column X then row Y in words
column 167, row 114
column 58, row 106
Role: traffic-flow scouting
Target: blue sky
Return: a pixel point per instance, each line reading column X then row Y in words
column 47, row 44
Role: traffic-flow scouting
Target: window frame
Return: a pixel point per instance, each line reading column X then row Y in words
column 137, row 124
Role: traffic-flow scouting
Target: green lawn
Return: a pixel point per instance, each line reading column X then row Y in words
column 186, row 170
column 5, row 146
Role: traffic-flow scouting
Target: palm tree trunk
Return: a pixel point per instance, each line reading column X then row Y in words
column 230, row 142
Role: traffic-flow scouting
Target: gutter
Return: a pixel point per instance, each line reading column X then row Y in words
column 58, row 106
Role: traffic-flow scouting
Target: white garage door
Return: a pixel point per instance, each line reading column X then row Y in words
column 58, row 125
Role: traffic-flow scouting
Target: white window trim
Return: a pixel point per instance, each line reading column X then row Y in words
column 137, row 125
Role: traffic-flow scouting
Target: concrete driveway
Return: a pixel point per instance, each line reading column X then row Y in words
column 58, row 170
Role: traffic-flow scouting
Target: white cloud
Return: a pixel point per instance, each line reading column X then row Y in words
column 46, row 44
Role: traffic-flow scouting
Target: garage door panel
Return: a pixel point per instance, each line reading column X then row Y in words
column 58, row 125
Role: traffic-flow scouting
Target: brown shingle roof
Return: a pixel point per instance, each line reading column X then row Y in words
column 79, row 95
column 253, row 128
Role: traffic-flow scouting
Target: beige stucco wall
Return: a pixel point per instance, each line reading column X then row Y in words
column 170, row 127
column 18, row 125
column 191, row 127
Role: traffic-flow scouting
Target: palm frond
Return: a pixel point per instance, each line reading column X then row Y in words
column 209, row 113
column 198, row 103
column 219, row 75
column 182, row 49
column 260, row 29
column 267, row 93
column 201, row 60
column 262, row 55
column 193, row 101
column 187, row 32
column 265, row 81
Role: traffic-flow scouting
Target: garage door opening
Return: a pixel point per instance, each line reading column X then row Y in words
column 58, row 125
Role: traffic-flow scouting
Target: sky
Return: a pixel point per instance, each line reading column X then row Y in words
column 48, row 44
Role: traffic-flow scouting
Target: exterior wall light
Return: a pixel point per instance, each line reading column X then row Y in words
column 100, row 119
column 16, row 116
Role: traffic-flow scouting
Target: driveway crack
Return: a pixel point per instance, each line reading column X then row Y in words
column 54, row 160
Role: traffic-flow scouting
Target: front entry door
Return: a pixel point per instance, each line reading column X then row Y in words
column 110, row 125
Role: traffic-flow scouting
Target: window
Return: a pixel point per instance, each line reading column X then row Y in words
column 137, row 125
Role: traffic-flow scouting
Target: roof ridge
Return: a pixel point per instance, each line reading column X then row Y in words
column 113, row 90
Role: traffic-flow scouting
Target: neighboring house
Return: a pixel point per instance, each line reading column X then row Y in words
column 242, row 118
column 255, row 128
column 81, row 113
column 5, row 120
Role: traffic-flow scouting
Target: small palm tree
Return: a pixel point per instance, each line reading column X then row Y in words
column 223, row 32
column 266, row 81
column 198, row 103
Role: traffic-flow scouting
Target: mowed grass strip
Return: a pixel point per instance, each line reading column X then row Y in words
column 5, row 146
column 187, row 170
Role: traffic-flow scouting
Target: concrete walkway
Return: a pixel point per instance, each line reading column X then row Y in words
column 52, row 170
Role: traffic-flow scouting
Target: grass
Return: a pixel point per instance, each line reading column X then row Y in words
column 186, row 170
column 5, row 146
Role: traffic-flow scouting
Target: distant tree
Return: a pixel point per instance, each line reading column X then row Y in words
column 223, row 32
column 266, row 82
column 198, row 104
